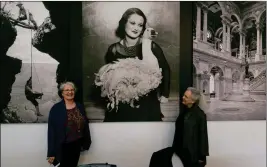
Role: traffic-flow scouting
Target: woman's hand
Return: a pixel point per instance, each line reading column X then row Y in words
column 50, row 159
column 163, row 99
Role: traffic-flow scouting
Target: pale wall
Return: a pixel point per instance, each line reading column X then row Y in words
column 232, row 144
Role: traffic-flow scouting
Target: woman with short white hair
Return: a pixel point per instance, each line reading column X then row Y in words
column 68, row 128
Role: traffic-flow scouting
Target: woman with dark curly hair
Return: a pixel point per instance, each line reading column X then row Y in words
column 131, row 29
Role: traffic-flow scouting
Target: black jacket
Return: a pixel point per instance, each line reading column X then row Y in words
column 191, row 136
column 56, row 129
column 162, row 158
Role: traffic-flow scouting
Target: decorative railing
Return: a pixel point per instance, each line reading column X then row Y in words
column 254, row 83
column 262, row 57
column 209, row 49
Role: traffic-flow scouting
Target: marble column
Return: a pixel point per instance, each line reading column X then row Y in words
column 197, row 81
column 244, row 45
column 205, row 25
column 221, row 87
column 257, row 55
column 256, row 73
column 198, row 28
column 228, row 38
column 260, row 43
column 246, row 87
column 224, row 35
column 216, row 87
column 241, row 46
column 218, row 44
column 205, row 79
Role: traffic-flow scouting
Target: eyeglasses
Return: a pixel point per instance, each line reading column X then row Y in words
column 69, row 90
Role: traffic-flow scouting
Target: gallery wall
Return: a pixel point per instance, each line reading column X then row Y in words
column 232, row 144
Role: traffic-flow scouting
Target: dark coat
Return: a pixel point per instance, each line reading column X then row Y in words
column 56, row 129
column 162, row 158
column 191, row 136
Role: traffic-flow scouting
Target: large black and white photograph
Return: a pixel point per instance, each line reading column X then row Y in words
column 131, row 61
column 29, row 62
column 229, row 58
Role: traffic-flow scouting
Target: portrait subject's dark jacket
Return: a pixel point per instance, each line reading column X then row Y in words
column 56, row 129
column 149, row 106
column 191, row 136
column 115, row 52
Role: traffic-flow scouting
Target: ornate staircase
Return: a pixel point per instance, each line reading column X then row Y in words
column 257, row 90
column 257, row 83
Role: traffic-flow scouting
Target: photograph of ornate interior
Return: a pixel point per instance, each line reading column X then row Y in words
column 229, row 58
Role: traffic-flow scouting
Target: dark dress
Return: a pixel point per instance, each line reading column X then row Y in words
column 74, row 133
column 191, row 137
column 149, row 106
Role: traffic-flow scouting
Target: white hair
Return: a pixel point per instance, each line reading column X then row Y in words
column 62, row 85
column 199, row 98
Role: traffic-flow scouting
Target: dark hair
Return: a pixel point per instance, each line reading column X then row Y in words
column 120, row 32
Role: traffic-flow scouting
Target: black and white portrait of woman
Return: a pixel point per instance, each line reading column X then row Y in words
column 131, row 61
